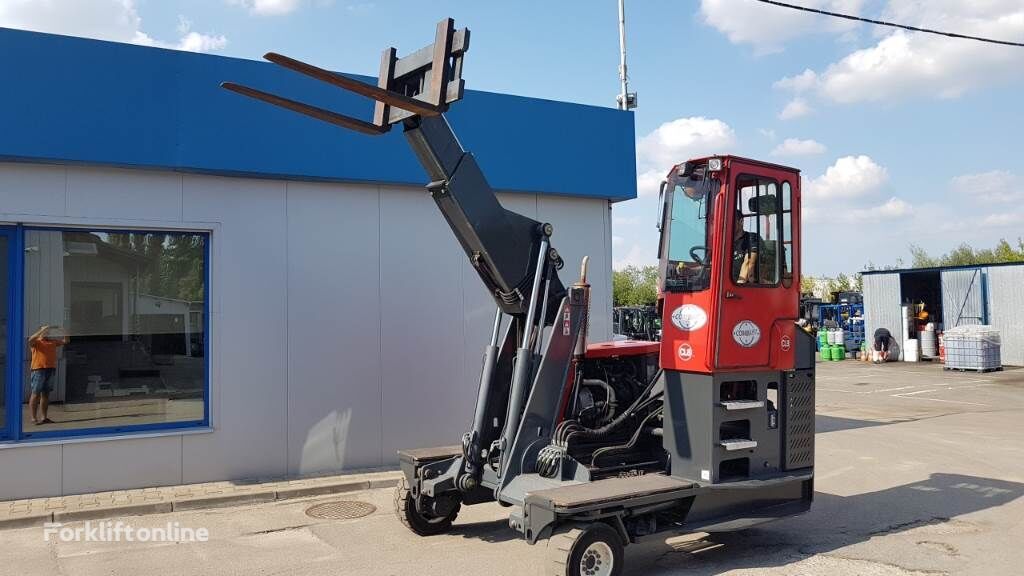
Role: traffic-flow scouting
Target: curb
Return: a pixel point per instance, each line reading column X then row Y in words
column 111, row 511
column 385, row 480
column 27, row 521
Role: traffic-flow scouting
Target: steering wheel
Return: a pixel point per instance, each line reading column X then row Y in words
column 699, row 259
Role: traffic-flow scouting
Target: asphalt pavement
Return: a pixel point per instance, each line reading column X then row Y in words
column 919, row 472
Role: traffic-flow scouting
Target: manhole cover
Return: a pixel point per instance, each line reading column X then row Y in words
column 341, row 510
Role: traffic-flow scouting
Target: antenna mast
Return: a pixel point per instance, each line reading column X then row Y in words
column 626, row 100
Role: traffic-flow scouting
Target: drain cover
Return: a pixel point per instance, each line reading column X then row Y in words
column 341, row 510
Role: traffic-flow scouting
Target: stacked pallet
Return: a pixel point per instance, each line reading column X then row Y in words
column 974, row 347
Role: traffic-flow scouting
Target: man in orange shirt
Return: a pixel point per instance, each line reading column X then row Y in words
column 44, row 365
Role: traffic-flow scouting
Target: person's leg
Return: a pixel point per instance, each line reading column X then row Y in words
column 35, row 384
column 44, row 394
column 33, row 402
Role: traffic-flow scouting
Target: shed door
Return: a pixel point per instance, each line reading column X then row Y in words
column 882, row 305
column 963, row 297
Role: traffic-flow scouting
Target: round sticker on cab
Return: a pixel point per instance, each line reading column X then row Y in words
column 689, row 317
column 685, row 352
column 746, row 333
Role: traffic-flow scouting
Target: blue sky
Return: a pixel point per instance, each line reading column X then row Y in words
column 902, row 138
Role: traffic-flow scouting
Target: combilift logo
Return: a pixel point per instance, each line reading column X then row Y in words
column 746, row 333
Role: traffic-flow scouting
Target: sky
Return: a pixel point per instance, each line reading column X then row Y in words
column 902, row 138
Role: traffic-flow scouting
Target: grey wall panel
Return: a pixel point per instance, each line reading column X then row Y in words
column 130, row 194
column 426, row 401
column 882, row 304
column 962, row 297
column 121, row 464
column 29, row 472
column 582, row 228
column 1005, row 305
column 32, row 189
column 248, row 328
column 334, row 307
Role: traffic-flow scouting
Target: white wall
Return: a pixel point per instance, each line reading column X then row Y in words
column 345, row 320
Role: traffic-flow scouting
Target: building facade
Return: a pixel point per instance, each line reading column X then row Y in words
column 245, row 292
column 953, row 296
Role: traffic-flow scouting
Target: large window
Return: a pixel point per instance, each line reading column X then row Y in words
column 113, row 331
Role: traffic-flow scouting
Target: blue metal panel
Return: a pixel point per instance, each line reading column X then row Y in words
column 76, row 100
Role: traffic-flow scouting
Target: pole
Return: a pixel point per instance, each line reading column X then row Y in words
column 623, row 78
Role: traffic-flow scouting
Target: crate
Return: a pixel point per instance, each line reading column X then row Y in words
column 973, row 347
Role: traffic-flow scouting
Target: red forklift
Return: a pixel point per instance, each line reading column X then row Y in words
column 593, row 446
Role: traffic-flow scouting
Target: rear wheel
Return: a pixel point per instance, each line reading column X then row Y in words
column 584, row 550
column 427, row 523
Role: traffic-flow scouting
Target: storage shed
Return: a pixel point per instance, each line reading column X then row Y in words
column 953, row 296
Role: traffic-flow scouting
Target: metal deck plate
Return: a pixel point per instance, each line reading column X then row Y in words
column 430, row 454
column 608, row 490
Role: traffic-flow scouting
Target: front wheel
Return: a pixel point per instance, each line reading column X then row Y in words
column 584, row 550
column 424, row 523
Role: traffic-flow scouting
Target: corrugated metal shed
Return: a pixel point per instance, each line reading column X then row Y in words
column 962, row 301
column 970, row 295
column 1006, row 309
column 882, row 304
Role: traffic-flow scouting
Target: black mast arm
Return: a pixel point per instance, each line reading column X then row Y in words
column 502, row 245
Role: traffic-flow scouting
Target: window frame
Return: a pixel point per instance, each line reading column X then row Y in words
column 787, row 245
column 12, row 370
column 778, row 225
column 16, row 336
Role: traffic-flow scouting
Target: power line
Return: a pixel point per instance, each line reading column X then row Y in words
column 892, row 24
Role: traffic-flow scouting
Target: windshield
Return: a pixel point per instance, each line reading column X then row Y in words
column 688, row 257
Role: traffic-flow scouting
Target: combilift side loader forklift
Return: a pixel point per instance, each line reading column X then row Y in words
column 595, row 446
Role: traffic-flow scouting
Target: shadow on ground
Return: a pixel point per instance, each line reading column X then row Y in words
column 836, row 522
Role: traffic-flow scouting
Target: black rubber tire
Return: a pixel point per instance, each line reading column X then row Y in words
column 567, row 545
column 423, row 525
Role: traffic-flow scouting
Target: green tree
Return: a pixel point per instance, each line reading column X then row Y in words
column 635, row 286
column 965, row 255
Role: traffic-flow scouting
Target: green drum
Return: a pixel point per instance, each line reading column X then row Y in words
column 839, row 352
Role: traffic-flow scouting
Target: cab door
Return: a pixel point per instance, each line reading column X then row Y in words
column 757, row 274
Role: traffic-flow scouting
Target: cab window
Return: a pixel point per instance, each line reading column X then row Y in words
column 757, row 244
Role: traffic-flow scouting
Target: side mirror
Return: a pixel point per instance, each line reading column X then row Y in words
column 661, row 204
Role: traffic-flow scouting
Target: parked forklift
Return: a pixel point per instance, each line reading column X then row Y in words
column 593, row 446
column 636, row 323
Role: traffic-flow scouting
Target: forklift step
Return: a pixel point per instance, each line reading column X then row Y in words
column 738, row 444
column 607, row 491
column 422, row 455
column 742, row 404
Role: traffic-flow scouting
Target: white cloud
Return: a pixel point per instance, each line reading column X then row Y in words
column 625, row 220
column 848, row 177
column 681, row 139
column 267, row 7
column 678, row 141
column 993, row 186
column 1004, row 220
column 115, row 20
column 800, row 83
column 769, row 134
column 768, row 28
column 635, row 256
column 904, row 64
column 797, row 147
column 617, row 241
column 795, row 108
column 893, row 208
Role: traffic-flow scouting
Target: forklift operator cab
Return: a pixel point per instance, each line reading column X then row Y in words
column 727, row 265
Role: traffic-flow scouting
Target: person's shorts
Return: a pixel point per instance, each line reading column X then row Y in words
column 41, row 380
column 881, row 344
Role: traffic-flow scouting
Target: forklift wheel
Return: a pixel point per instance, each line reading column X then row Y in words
column 421, row 523
column 584, row 550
